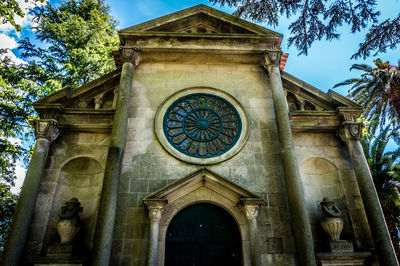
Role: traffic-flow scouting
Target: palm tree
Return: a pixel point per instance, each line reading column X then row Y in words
column 378, row 91
column 385, row 170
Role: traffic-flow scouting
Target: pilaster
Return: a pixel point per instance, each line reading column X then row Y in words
column 155, row 210
column 46, row 131
column 251, row 208
column 109, row 193
column 296, row 197
column 350, row 132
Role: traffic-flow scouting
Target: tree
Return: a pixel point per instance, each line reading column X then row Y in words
column 319, row 19
column 8, row 201
column 378, row 91
column 79, row 36
column 9, row 9
column 385, row 171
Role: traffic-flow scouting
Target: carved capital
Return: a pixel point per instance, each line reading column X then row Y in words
column 251, row 207
column 130, row 54
column 272, row 57
column 46, row 129
column 155, row 207
column 350, row 130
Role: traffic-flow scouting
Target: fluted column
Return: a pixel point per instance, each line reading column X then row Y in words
column 155, row 209
column 46, row 131
column 297, row 203
column 109, row 193
column 350, row 132
column 250, row 208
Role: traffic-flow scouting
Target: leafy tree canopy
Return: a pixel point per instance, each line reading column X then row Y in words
column 318, row 19
column 378, row 91
column 77, row 39
column 8, row 201
column 9, row 9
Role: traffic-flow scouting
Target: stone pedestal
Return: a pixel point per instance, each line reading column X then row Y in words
column 342, row 258
column 341, row 246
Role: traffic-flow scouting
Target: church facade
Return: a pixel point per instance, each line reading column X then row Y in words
column 198, row 150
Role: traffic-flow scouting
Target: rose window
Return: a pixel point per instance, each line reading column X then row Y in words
column 202, row 125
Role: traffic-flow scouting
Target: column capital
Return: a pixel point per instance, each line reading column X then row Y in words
column 251, row 207
column 130, row 54
column 46, row 129
column 350, row 130
column 155, row 207
column 272, row 57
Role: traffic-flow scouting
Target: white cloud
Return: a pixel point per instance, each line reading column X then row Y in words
column 26, row 20
column 20, row 172
column 10, row 43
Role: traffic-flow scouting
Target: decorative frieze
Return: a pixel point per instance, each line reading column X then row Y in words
column 130, row 54
column 46, row 129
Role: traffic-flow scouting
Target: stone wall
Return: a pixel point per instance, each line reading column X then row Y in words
column 326, row 171
column 74, row 168
column 148, row 167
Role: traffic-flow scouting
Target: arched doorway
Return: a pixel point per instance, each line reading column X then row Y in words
column 203, row 235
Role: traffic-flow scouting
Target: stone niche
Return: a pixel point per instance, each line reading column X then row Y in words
column 80, row 178
column 321, row 178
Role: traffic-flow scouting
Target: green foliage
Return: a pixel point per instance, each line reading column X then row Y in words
column 385, row 171
column 79, row 38
column 8, row 201
column 9, row 9
column 376, row 90
column 17, row 93
column 318, row 19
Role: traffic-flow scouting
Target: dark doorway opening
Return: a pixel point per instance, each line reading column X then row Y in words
column 203, row 235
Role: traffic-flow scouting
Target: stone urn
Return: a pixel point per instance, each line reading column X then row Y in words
column 331, row 220
column 69, row 222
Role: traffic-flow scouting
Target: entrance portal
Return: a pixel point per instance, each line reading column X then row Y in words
column 203, row 235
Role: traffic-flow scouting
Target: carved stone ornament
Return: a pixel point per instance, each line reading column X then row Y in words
column 130, row 54
column 46, row 129
column 272, row 57
column 155, row 208
column 69, row 223
column 350, row 130
column 331, row 220
column 251, row 211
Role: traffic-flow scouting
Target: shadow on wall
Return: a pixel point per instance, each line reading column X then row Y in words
column 79, row 178
column 320, row 179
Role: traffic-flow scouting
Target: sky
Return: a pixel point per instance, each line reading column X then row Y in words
column 327, row 63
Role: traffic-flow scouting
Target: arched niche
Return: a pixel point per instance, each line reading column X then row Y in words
column 80, row 178
column 320, row 179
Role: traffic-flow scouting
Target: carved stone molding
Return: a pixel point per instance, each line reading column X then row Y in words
column 46, row 129
column 155, row 208
column 251, row 207
column 349, row 114
column 272, row 57
column 350, row 130
column 130, row 54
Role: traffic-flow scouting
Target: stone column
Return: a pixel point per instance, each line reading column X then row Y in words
column 350, row 132
column 109, row 193
column 155, row 208
column 250, row 207
column 297, row 204
column 46, row 131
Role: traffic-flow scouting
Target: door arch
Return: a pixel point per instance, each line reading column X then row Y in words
column 203, row 234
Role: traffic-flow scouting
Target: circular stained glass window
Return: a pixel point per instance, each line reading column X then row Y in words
column 202, row 125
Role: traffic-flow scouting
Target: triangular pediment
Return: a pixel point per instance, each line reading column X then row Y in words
column 203, row 20
column 202, row 179
column 97, row 94
column 302, row 96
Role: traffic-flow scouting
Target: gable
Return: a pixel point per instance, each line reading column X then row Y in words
column 200, row 19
